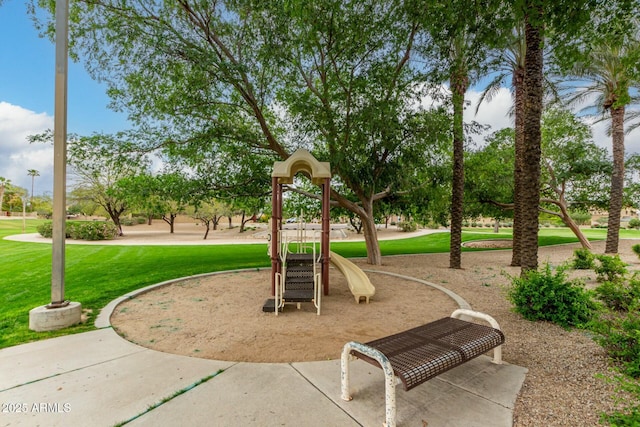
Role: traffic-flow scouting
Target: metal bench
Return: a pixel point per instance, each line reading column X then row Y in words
column 421, row 353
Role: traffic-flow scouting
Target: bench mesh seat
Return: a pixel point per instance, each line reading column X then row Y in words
column 426, row 351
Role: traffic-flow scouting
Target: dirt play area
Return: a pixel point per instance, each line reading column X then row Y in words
column 221, row 317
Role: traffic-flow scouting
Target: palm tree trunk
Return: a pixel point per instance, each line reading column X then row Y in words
column 617, row 180
column 459, row 83
column 532, row 136
column 518, row 84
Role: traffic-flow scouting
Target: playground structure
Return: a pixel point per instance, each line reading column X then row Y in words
column 299, row 265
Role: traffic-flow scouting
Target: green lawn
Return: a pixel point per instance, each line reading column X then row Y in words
column 95, row 274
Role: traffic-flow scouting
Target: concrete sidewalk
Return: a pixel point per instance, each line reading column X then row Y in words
column 99, row 379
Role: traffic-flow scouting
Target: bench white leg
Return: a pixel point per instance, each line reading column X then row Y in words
column 461, row 312
column 389, row 377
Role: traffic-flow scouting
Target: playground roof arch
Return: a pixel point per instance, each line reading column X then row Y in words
column 301, row 161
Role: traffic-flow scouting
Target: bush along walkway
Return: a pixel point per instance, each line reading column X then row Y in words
column 611, row 312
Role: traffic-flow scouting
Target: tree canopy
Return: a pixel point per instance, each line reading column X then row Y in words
column 232, row 86
column 225, row 88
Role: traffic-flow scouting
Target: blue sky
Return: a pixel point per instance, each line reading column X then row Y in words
column 27, row 74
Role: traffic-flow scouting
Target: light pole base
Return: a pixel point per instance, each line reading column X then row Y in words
column 50, row 319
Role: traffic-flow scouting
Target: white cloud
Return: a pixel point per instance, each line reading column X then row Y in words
column 494, row 113
column 600, row 136
column 17, row 155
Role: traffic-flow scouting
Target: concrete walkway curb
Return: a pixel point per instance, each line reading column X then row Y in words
column 97, row 378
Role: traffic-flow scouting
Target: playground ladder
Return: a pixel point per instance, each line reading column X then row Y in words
column 300, row 280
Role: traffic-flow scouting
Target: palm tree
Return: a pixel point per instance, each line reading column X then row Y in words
column 607, row 73
column 32, row 173
column 459, row 37
column 510, row 64
column 459, row 81
column 510, row 67
column 531, row 152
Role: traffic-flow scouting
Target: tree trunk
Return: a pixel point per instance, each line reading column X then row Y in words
column 586, row 244
column 368, row 225
column 532, row 137
column 242, row 222
column 617, row 180
column 116, row 221
column 207, row 227
column 230, row 222
column 569, row 222
column 114, row 214
column 374, row 256
column 518, row 83
column 459, row 83
column 356, row 226
column 170, row 220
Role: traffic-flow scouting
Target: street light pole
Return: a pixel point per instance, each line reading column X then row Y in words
column 60, row 156
column 59, row 313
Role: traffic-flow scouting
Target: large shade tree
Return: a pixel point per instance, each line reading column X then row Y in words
column 574, row 175
column 575, row 170
column 99, row 165
column 225, row 77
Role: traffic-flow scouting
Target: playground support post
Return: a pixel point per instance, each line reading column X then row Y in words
column 326, row 229
column 276, row 219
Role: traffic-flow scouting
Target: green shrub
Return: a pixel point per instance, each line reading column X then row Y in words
column 583, row 259
column 609, row 268
column 127, row 222
column 619, row 334
column 628, row 395
column 620, row 294
column 548, row 295
column 581, row 218
column 634, row 223
column 408, row 226
column 83, row 230
column 636, row 250
column 92, row 230
column 45, row 229
column 141, row 220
